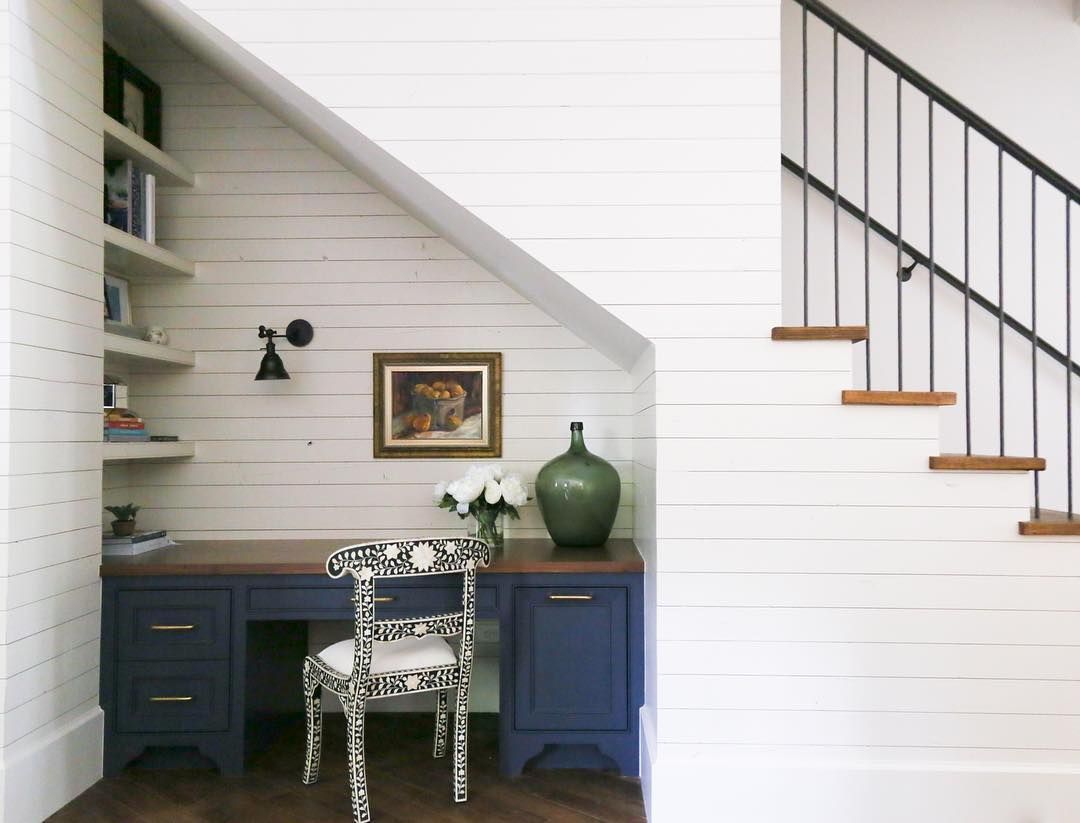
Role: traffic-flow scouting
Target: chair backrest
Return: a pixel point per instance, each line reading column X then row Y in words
column 367, row 562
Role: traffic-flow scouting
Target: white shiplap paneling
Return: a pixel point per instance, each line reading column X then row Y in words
column 279, row 231
column 50, row 492
column 649, row 137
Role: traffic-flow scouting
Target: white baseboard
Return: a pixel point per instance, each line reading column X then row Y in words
column 646, row 756
column 692, row 789
column 43, row 772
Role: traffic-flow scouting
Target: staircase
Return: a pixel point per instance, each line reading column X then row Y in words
column 883, row 227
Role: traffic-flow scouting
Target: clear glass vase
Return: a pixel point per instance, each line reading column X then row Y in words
column 488, row 526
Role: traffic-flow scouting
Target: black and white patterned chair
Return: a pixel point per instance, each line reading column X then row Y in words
column 391, row 657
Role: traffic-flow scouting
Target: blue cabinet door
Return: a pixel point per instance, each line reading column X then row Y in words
column 570, row 647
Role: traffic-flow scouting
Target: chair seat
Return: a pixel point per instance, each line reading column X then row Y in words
column 426, row 652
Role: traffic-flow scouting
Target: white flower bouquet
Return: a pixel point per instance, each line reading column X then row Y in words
column 487, row 493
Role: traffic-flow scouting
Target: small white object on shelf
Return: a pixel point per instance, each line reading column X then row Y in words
column 124, row 350
column 154, row 450
column 120, row 141
column 139, row 261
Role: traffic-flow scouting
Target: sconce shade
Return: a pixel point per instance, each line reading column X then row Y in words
column 271, row 367
column 299, row 333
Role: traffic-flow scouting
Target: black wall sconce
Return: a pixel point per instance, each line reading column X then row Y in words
column 298, row 332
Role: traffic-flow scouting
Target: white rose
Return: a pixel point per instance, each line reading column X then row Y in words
column 467, row 489
column 497, row 472
column 462, row 508
column 514, row 491
column 440, row 492
column 493, row 492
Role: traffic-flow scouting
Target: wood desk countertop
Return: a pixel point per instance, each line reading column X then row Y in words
column 220, row 557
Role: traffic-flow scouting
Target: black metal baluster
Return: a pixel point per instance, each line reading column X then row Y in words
column 805, row 179
column 967, row 295
column 866, row 207
column 930, row 246
column 1001, row 303
column 836, row 174
column 1034, row 341
column 899, row 243
column 1068, row 355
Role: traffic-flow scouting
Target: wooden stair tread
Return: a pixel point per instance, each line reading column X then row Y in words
column 1051, row 523
column 855, row 397
column 852, row 333
column 986, row 462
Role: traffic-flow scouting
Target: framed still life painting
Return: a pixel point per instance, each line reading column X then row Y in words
column 444, row 404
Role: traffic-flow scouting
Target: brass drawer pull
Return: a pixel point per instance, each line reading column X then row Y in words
column 570, row 597
column 386, row 599
column 185, row 698
column 164, row 627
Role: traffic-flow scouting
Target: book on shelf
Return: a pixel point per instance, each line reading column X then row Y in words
column 123, row 437
column 126, row 424
column 129, row 199
column 150, row 208
column 138, row 537
column 129, row 546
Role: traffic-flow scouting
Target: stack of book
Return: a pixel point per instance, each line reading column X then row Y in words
column 124, row 426
column 135, row 544
column 129, row 200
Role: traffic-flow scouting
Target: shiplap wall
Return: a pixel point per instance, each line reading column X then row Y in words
column 279, row 231
column 823, row 627
column 50, row 369
column 630, row 147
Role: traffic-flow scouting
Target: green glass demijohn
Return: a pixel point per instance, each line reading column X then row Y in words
column 578, row 495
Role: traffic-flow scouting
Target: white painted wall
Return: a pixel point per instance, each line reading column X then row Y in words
column 50, row 351
column 631, row 149
column 1043, row 46
column 279, row 230
column 817, row 651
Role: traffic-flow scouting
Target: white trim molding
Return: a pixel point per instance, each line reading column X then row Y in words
column 51, row 767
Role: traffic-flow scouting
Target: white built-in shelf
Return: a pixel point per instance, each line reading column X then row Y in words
column 138, row 261
column 123, row 351
column 120, row 141
column 116, row 452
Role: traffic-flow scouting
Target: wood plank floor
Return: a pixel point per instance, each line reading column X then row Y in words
column 406, row 784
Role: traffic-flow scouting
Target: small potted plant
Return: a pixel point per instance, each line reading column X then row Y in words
column 124, row 524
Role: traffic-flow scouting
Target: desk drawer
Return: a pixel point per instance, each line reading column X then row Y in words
column 390, row 600
column 173, row 696
column 168, row 624
column 570, row 658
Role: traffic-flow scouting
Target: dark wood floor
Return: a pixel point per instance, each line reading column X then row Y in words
column 406, row 784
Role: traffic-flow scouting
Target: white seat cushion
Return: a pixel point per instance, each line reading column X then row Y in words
column 425, row 652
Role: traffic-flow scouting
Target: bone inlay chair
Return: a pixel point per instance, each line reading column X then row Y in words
column 391, row 657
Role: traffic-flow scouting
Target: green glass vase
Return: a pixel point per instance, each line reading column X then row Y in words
column 578, row 494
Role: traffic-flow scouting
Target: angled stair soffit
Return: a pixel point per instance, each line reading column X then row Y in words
column 590, row 321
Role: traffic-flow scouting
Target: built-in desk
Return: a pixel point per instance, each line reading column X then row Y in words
column 201, row 641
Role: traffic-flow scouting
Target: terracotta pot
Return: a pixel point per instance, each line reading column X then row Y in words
column 123, row 528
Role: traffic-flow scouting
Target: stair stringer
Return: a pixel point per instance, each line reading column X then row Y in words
column 842, row 633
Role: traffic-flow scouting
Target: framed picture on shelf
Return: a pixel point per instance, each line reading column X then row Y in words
column 437, row 404
column 132, row 98
column 117, row 300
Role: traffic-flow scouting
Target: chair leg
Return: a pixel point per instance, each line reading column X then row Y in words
column 354, row 716
column 461, row 744
column 440, row 724
column 313, row 715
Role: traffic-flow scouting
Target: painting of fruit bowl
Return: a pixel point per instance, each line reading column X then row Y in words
column 437, row 404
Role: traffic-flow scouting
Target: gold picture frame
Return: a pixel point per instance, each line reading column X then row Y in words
column 437, row 404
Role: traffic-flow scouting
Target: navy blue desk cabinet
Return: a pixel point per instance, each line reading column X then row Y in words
column 200, row 643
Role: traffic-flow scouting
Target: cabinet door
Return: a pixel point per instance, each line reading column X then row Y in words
column 570, row 650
